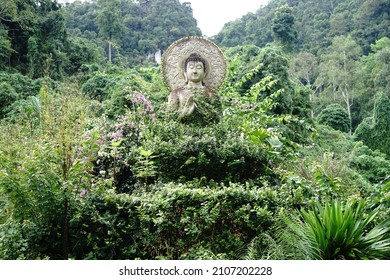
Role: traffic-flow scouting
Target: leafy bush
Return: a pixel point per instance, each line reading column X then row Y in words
column 335, row 116
column 17, row 93
column 7, row 97
column 145, row 81
column 26, row 111
column 171, row 220
column 375, row 131
column 217, row 152
column 23, row 85
column 98, row 87
column 372, row 165
column 41, row 171
column 246, row 143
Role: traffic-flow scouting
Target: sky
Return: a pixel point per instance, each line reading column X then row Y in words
column 213, row 14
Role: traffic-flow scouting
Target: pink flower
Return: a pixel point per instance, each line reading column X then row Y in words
column 117, row 134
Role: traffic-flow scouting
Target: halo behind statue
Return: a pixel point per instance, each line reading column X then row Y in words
column 174, row 57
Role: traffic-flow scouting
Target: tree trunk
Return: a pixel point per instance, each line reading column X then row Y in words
column 65, row 233
column 346, row 94
column 109, row 48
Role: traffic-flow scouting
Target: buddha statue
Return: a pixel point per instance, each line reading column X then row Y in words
column 193, row 69
column 188, row 99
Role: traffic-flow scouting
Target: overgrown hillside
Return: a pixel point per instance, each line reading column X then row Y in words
column 137, row 29
column 339, row 50
column 41, row 38
column 316, row 23
column 94, row 166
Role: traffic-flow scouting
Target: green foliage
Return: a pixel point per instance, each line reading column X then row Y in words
column 81, row 55
column 16, row 95
column 316, row 23
column 95, row 167
column 336, row 231
column 283, row 27
column 42, row 169
column 35, row 39
column 34, row 193
column 108, row 21
column 98, row 87
column 135, row 30
column 5, row 45
column 372, row 165
column 380, row 71
column 7, row 97
column 261, row 64
column 23, row 85
column 250, row 29
column 173, row 221
column 144, row 167
column 336, row 35
column 130, row 83
column 335, row 116
column 374, row 131
column 216, row 152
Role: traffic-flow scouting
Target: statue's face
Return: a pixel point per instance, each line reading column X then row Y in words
column 195, row 71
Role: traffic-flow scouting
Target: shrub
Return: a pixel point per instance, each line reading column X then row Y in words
column 7, row 97
column 216, row 152
column 375, row 131
column 372, row 165
column 41, row 171
column 98, row 87
column 335, row 116
column 23, row 85
column 172, row 221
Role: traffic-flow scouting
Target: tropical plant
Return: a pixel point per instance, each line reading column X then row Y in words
column 336, row 231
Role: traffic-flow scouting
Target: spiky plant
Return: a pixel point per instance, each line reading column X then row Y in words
column 336, row 231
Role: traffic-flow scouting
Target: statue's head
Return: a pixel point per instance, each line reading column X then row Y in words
column 195, row 68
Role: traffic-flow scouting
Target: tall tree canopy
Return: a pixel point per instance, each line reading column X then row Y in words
column 138, row 28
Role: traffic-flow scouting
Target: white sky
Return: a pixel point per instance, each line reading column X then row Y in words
column 213, row 14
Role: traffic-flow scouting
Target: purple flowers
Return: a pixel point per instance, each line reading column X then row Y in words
column 140, row 99
column 143, row 105
column 117, row 134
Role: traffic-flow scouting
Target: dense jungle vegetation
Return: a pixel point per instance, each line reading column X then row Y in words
column 92, row 166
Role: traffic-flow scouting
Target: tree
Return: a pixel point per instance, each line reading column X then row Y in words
column 304, row 68
column 137, row 28
column 109, row 21
column 283, row 29
column 371, row 22
column 33, row 37
column 5, row 44
column 167, row 21
column 381, row 72
column 48, row 46
column 339, row 70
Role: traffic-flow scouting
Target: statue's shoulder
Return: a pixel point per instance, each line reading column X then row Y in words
column 177, row 92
